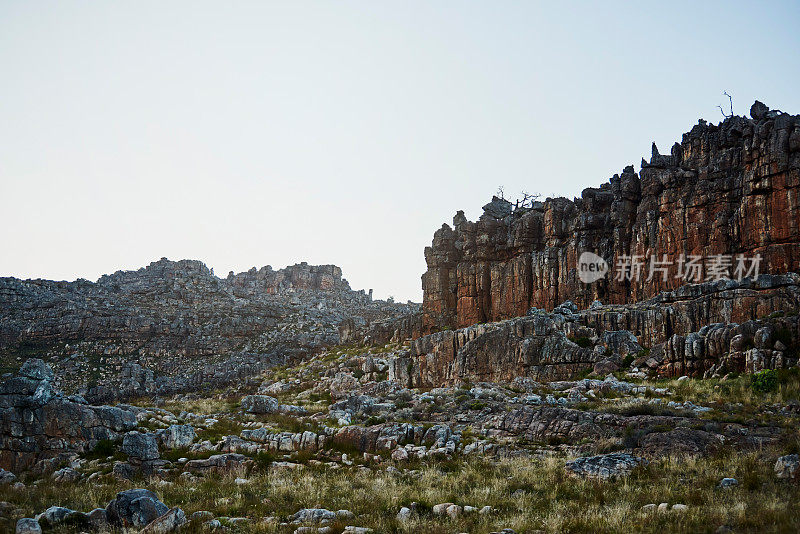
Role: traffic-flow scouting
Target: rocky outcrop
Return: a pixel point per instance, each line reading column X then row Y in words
column 180, row 319
column 37, row 422
column 725, row 189
column 691, row 330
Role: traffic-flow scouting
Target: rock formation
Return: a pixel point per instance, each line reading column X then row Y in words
column 38, row 422
column 726, row 189
column 698, row 330
column 196, row 329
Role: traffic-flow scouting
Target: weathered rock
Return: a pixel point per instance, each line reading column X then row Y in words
column 725, row 189
column 220, row 463
column 313, row 515
column 689, row 331
column 27, row 525
column 604, row 466
column 135, row 508
column 140, row 446
column 38, row 422
column 7, row 477
column 169, row 522
column 56, row 515
column 180, row 319
column 788, row 467
column 177, row 436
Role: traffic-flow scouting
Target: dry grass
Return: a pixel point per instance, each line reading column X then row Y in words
column 527, row 495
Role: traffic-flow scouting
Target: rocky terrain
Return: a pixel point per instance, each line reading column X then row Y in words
column 516, row 399
column 175, row 326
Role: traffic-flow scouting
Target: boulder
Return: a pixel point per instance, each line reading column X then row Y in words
column 171, row 521
column 604, row 466
column 135, row 508
column 177, row 436
column 788, row 467
column 26, row 525
column 260, row 404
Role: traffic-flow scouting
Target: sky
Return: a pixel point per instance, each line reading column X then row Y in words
column 269, row 133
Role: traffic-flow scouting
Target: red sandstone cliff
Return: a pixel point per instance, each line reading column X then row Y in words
column 727, row 189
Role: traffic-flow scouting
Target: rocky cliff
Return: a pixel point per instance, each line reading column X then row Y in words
column 725, row 189
column 700, row 330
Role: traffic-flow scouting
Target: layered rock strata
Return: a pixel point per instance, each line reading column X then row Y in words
column 38, row 422
column 725, row 189
column 699, row 330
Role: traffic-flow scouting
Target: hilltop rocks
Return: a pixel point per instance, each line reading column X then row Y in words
column 38, row 422
column 728, row 189
column 197, row 330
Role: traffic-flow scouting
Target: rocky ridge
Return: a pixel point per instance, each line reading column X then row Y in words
column 173, row 326
column 724, row 189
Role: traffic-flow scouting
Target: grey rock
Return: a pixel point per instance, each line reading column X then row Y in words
column 788, row 467
column 27, row 525
column 135, row 508
column 7, row 477
column 177, row 436
column 312, row 515
column 140, row 446
column 604, row 466
column 171, row 521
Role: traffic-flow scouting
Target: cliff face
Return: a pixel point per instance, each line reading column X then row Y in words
column 725, row 189
column 699, row 330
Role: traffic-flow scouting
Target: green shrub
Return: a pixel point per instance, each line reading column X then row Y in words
column 764, row 381
column 103, row 449
column 582, row 341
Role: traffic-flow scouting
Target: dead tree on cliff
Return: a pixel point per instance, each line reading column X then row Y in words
column 731, row 103
column 527, row 200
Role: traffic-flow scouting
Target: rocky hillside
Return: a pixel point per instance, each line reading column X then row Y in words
column 726, row 189
column 172, row 325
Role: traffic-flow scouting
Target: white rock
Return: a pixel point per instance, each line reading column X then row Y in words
column 453, row 511
column 404, row 514
column 441, row 509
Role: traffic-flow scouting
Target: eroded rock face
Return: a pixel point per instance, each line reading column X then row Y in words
column 691, row 331
column 730, row 188
column 38, row 422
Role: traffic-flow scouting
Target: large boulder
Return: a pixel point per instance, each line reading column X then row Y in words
column 135, row 508
column 140, row 446
column 260, row 404
column 788, row 467
column 177, row 436
column 604, row 466
column 220, row 463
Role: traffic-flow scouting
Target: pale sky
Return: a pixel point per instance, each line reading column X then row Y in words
column 253, row 133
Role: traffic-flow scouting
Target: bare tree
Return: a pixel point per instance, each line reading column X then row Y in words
column 500, row 193
column 527, row 200
column 731, row 103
